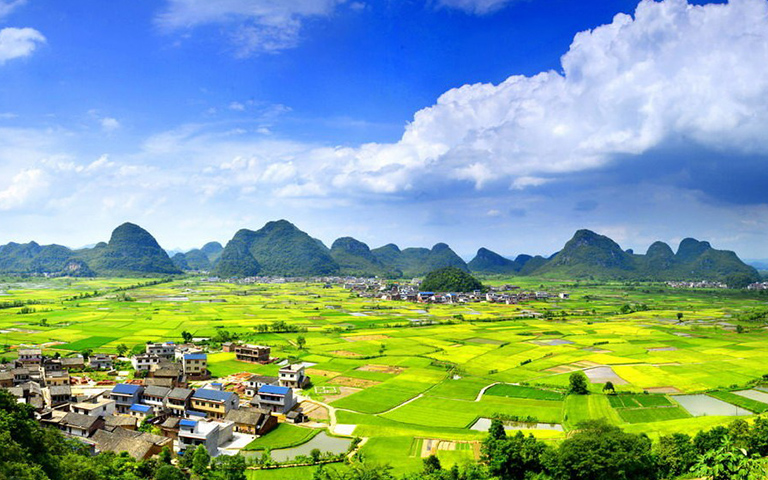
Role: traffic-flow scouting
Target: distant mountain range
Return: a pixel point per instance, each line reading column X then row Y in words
column 279, row 248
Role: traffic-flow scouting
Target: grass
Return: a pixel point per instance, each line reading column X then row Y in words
column 637, row 401
column 659, row 414
column 284, row 435
column 739, row 401
column 516, row 391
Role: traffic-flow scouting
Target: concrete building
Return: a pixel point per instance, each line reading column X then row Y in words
column 252, row 353
column 163, row 350
column 292, row 376
column 211, row 434
column 214, row 403
column 195, row 366
column 156, row 397
column 30, row 357
column 144, row 362
column 273, row 398
column 95, row 407
column 125, row 395
column 178, row 401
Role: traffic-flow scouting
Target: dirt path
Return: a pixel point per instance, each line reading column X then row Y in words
column 482, row 392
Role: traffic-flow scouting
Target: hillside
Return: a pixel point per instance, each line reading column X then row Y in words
column 278, row 248
column 589, row 255
column 450, row 279
column 355, row 258
column 416, row 262
column 31, row 258
column 131, row 251
column 488, row 262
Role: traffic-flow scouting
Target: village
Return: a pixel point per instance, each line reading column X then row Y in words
column 171, row 401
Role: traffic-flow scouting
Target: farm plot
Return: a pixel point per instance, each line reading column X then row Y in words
column 704, row 405
column 518, row 391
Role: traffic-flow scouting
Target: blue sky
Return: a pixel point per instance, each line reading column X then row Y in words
column 504, row 124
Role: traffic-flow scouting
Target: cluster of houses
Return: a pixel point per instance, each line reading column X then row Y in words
column 109, row 419
column 701, row 284
column 758, row 286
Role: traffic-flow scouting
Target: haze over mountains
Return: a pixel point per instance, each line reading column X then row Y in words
column 279, row 248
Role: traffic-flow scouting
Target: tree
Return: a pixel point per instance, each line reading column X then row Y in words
column 165, row 455
column 315, row 454
column 608, row 387
column 186, row 336
column 301, row 341
column 599, row 451
column 578, row 383
column 679, row 316
column 496, row 430
column 86, row 353
column 512, row 458
column 431, row 464
column 200, row 460
column 229, row 467
column 168, row 472
column 729, row 463
column 675, row 454
column 122, row 349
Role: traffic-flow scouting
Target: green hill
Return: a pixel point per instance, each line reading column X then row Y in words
column 450, row 279
column 199, row 259
column 415, row 262
column 278, row 248
column 355, row 258
column 131, row 251
column 31, row 258
column 489, row 262
column 588, row 254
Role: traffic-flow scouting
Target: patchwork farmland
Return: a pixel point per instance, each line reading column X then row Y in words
column 413, row 378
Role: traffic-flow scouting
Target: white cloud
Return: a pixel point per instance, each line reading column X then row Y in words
column 18, row 42
column 7, row 6
column 237, row 106
column 674, row 71
column 24, row 186
column 257, row 26
column 477, row 7
column 109, row 124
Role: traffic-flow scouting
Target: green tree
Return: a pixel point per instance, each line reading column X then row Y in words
column 86, row 353
column 578, row 383
column 675, row 454
column 431, row 464
column 186, row 336
column 315, row 455
column 608, row 387
column 729, row 462
column 229, row 467
column 496, row 430
column 301, row 341
column 165, row 455
column 512, row 458
column 200, row 460
column 679, row 316
column 122, row 349
column 168, row 472
column 599, row 451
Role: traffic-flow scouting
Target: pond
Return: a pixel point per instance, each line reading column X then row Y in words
column 483, row 424
column 322, row 441
column 754, row 395
column 703, row 405
column 603, row 375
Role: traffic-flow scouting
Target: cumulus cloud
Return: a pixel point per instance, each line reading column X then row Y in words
column 672, row 73
column 477, row 7
column 256, row 26
column 24, row 186
column 18, row 42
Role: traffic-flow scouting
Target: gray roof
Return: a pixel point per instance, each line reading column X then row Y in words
column 60, row 390
column 72, row 361
column 171, row 422
column 6, row 376
column 155, row 391
column 245, row 416
column 120, row 420
column 263, row 379
column 137, row 444
column 159, row 382
column 180, row 393
column 79, row 420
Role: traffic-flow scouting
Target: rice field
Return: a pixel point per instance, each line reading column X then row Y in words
column 400, row 371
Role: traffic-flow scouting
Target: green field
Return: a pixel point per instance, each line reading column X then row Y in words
column 397, row 382
column 284, row 436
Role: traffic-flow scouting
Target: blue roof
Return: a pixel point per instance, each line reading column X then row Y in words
column 136, row 407
column 192, row 413
column 195, row 356
column 274, row 389
column 188, row 423
column 215, row 395
column 426, row 293
column 126, row 389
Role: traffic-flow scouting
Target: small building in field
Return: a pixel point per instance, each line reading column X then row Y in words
column 100, row 361
column 252, row 421
column 292, row 376
column 125, row 395
column 73, row 363
column 214, row 403
column 195, row 366
column 274, row 398
column 163, row 350
column 79, row 425
column 211, row 434
column 178, row 401
column 30, row 357
column 252, row 353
